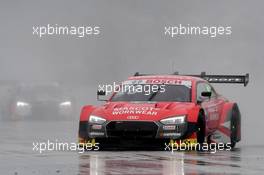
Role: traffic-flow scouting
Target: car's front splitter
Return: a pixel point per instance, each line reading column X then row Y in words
column 139, row 130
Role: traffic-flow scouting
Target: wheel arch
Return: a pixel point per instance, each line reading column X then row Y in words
column 223, row 133
column 85, row 112
column 83, row 123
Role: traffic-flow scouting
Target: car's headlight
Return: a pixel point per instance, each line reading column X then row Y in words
column 174, row 120
column 96, row 119
column 21, row 104
column 66, row 103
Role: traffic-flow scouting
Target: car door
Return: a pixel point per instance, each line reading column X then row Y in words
column 210, row 105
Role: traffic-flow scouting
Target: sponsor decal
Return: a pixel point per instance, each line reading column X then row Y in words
column 171, row 134
column 136, row 110
column 169, row 127
column 231, row 80
column 97, row 127
column 186, row 83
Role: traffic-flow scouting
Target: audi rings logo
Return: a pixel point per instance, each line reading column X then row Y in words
column 132, row 117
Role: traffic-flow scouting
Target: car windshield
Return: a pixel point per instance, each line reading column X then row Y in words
column 173, row 93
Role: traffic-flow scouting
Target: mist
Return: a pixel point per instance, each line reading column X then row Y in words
column 132, row 40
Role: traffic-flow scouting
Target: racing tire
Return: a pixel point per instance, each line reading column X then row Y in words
column 233, row 128
column 201, row 128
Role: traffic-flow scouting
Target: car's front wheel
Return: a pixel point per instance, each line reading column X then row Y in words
column 201, row 128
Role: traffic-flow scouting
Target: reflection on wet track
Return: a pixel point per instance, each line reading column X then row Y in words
column 178, row 163
column 17, row 156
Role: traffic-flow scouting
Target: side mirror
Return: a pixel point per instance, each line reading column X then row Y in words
column 206, row 94
column 101, row 93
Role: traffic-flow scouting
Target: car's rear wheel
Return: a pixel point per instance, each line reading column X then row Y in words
column 233, row 128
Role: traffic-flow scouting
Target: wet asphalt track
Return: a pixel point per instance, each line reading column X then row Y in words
column 17, row 155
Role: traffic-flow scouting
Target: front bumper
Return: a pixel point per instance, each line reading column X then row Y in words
column 137, row 130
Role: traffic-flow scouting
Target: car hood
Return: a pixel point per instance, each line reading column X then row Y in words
column 145, row 111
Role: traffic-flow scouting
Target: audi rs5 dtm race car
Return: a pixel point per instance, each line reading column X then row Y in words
column 183, row 108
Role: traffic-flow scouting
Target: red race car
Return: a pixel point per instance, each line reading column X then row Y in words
column 158, row 109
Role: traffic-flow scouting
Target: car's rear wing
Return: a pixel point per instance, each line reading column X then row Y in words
column 236, row 79
column 239, row 79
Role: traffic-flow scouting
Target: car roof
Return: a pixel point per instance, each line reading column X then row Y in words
column 167, row 77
